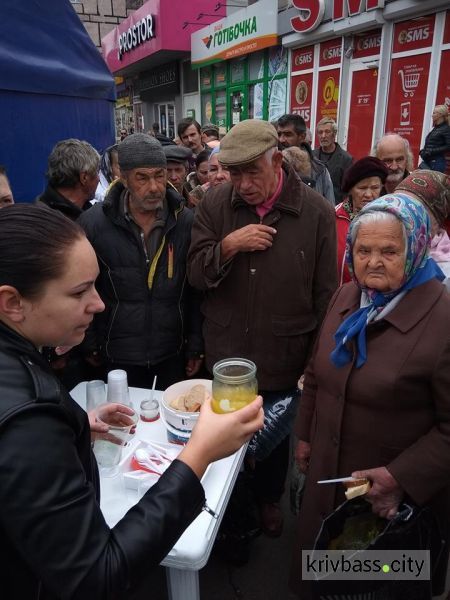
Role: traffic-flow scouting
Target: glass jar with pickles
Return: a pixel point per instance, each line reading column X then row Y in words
column 234, row 384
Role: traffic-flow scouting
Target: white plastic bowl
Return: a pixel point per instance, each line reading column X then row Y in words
column 178, row 423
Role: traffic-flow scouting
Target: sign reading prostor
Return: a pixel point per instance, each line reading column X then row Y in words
column 137, row 34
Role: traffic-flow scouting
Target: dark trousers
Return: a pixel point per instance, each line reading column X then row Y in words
column 168, row 372
column 269, row 474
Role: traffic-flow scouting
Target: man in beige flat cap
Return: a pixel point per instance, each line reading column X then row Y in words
column 263, row 250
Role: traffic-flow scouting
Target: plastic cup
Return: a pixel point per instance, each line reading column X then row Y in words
column 118, row 387
column 95, row 394
column 108, row 446
column 149, row 410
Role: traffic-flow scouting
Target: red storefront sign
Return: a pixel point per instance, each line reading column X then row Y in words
column 362, row 111
column 412, row 35
column 313, row 11
column 303, row 59
column 407, row 96
column 330, row 52
column 446, row 39
column 301, row 96
column 367, row 44
column 328, row 94
column 443, row 90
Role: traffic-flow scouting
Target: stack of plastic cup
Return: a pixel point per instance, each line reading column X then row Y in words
column 118, row 387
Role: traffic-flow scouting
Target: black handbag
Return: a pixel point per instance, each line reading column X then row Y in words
column 413, row 528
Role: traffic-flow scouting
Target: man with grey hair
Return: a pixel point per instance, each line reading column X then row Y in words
column 336, row 159
column 178, row 167
column 72, row 176
column 263, row 251
column 291, row 130
column 141, row 233
column 395, row 152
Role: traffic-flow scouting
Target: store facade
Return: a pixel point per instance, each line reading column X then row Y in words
column 243, row 67
column 375, row 66
column 149, row 54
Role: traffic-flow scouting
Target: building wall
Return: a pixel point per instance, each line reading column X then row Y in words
column 101, row 16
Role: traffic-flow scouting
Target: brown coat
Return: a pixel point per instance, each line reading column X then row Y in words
column 394, row 411
column 265, row 306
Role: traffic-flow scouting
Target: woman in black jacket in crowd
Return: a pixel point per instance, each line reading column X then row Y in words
column 437, row 142
column 55, row 542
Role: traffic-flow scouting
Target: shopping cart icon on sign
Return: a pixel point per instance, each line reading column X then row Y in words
column 410, row 81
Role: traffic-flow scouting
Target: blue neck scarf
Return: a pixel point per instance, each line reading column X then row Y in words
column 419, row 268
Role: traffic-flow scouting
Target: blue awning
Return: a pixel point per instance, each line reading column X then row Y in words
column 54, row 85
column 45, row 49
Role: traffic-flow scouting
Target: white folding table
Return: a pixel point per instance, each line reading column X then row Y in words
column 192, row 550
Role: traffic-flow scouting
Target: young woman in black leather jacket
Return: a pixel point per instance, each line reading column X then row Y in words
column 54, row 541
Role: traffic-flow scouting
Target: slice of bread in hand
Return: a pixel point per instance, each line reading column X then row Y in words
column 356, row 488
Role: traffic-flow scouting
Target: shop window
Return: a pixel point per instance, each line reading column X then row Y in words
column 277, row 99
column 237, row 70
column 205, row 77
column 277, row 61
column 190, row 78
column 206, row 107
column 220, row 74
column 221, row 108
column 255, row 101
column 256, row 66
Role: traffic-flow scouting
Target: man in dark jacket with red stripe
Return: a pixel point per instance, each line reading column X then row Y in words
column 141, row 234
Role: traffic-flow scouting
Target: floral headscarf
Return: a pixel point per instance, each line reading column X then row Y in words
column 419, row 268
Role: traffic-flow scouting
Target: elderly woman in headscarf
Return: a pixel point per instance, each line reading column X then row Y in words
column 376, row 400
column 433, row 190
column 361, row 183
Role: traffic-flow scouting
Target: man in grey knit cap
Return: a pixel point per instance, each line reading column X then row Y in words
column 141, row 234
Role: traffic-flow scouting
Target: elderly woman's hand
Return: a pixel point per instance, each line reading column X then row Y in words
column 302, row 454
column 385, row 494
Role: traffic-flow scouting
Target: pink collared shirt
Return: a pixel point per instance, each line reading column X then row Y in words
column 265, row 207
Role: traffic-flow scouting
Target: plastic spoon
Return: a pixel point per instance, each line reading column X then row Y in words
column 170, row 453
column 143, row 458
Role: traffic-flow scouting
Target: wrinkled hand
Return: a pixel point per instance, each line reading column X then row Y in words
column 385, row 494
column 216, row 436
column 193, row 366
column 118, row 411
column 247, row 239
column 302, row 454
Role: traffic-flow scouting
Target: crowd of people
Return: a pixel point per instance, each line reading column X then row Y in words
column 162, row 258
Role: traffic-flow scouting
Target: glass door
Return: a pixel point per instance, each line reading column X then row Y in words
column 238, row 104
column 170, row 121
column 166, row 118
